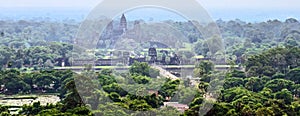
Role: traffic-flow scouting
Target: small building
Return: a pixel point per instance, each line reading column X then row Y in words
column 139, row 59
column 111, row 62
column 179, row 107
column 82, row 62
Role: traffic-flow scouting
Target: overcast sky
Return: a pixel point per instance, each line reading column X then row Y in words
column 217, row 8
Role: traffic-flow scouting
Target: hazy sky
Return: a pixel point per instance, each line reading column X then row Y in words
column 49, row 3
column 256, row 4
column 282, row 4
column 225, row 9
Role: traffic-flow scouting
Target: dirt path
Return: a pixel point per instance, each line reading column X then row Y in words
column 165, row 73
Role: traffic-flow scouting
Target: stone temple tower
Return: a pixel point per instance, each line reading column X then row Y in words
column 109, row 31
column 123, row 23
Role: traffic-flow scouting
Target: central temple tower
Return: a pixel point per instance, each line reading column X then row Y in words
column 123, row 23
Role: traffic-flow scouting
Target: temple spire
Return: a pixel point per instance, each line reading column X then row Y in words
column 123, row 23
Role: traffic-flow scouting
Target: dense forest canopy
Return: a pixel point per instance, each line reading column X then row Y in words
column 240, row 39
column 267, row 84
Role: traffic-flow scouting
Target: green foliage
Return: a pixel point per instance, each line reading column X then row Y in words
column 81, row 111
column 186, row 95
column 266, row 92
column 114, row 88
column 202, row 68
column 294, row 75
column 237, row 73
column 106, row 79
column 154, row 101
column 167, row 111
column 196, row 101
column 279, row 84
column 115, row 97
column 206, row 66
column 296, row 108
column 139, row 105
column 4, row 110
column 110, row 109
column 142, row 68
column 41, row 56
column 221, row 109
column 278, row 76
column 141, row 79
column 296, row 90
column 169, row 88
column 254, row 84
column 201, row 48
column 274, row 60
column 264, row 111
column 72, row 98
column 233, row 82
column 284, row 94
column 50, row 109
column 203, row 86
